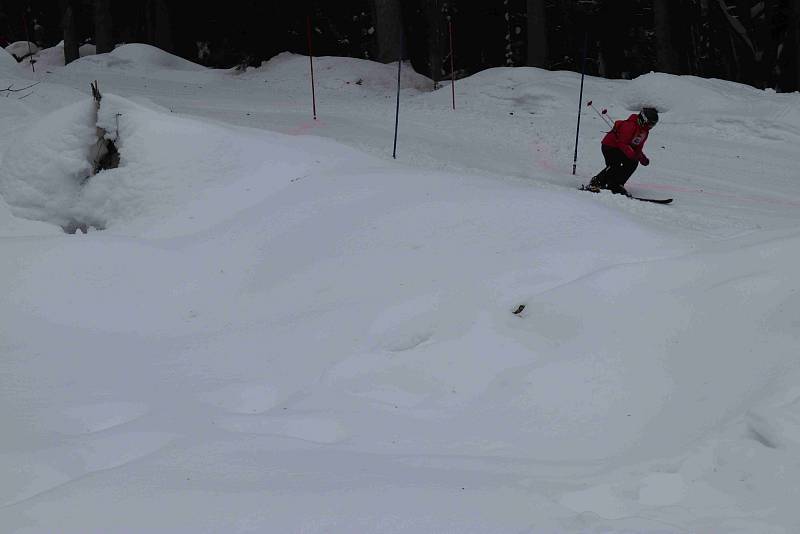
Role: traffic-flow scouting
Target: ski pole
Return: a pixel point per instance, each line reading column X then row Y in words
column 601, row 113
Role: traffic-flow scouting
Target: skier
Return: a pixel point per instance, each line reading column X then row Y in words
column 622, row 149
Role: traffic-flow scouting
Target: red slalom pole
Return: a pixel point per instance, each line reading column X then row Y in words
column 452, row 64
column 311, row 61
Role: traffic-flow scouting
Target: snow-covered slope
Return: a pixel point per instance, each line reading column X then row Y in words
column 286, row 332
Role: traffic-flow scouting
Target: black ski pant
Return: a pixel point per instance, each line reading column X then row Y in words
column 618, row 169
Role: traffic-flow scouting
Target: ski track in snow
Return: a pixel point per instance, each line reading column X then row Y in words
column 33, row 474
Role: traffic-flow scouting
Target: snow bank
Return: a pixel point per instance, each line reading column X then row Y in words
column 44, row 167
column 22, row 48
column 11, row 226
column 705, row 107
column 125, row 57
column 7, row 60
column 686, row 94
column 167, row 163
column 54, row 56
column 720, row 108
column 140, row 56
column 9, row 69
column 532, row 90
column 192, row 172
column 340, row 73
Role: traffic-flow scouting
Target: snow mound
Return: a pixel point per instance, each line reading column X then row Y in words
column 707, row 107
column 533, row 90
column 21, row 49
column 11, row 226
column 44, row 166
column 170, row 168
column 717, row 107
column 54, row 56
column 341, row 73
column 689, row 93
column 6, row 59
column 9, row 68
column 137, row 56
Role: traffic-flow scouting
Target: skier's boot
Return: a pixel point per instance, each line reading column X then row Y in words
column 597, row 183
column 618, row 189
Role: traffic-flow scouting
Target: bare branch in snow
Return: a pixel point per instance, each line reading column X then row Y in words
column 10, row 89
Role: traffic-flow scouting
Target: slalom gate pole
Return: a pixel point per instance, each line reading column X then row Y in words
column 311, row 61
column 28, row 38
column 580, row 103
column 397, row 109
column 452, row 64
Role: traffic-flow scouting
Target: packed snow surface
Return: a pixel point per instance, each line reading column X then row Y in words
column 272, row 325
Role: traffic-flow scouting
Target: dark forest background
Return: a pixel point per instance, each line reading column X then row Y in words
column 753, row 42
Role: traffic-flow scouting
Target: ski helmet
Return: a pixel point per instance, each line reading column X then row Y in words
column 648, row 116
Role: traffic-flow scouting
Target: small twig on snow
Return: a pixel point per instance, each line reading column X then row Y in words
column 10, row 89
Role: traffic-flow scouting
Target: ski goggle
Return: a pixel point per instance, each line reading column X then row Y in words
column 644, row 121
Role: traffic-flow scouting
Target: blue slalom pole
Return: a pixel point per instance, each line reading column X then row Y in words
column 397, row 110
column 580, row 102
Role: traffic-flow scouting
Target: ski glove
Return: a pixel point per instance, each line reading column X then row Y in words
column 644, row 160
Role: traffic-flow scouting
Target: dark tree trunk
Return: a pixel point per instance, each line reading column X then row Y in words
column 666, row 55
column 103, row 34
column 794, row 30
column 612, row 40
column 537, row 34
column 70, row 26
column 767, row 48
column 159, row 28
column 743, row 11
column 749, row 69
column 388, row 29
column 433, row 18
column 697, row 38
column 163, row 29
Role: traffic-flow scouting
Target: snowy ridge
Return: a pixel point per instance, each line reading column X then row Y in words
column 281, row 328
column 339, row 72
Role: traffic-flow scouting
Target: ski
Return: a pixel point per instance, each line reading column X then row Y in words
column 653, row 200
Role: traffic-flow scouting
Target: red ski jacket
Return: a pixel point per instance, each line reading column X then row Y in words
column 627, row 136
